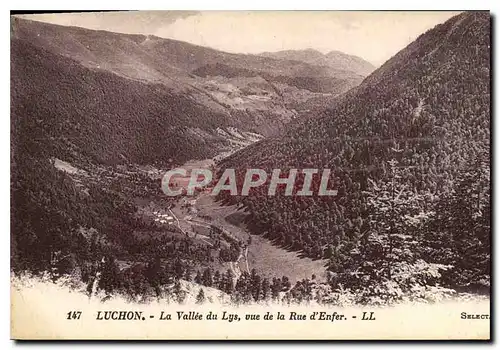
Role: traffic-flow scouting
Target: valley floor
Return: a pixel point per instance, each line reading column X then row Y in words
column 267, row 259
column 196, row 215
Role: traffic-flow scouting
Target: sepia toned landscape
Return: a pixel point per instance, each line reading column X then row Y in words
column 99, row 116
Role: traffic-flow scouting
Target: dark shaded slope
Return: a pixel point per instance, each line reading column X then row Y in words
column 70, row 224
column 72, row 110
column 427, row 110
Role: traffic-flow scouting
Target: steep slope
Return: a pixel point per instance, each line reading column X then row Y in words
column 334, row 59
column 162, row 58
column 96, row 116
column 248, row 88
column 69, row 111
column 78, row 134
column 420, row 125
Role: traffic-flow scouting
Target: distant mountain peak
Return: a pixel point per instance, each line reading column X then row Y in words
column 334, row 59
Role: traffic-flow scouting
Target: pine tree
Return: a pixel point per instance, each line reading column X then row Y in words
column 179, row 294
column 216, row 279
column 265, row 288
column 460, row 233
column 178, row 269
column 276, row 288
column 200, row 298
column 110, row 279
column 383, row 260
column 228, row 280
column 188, row 273
column 207, row 279
column 197, row 278
column 255, row 284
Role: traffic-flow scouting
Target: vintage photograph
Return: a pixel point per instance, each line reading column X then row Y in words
column 193, row 165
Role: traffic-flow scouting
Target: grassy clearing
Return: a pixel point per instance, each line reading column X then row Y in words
column 268, row 260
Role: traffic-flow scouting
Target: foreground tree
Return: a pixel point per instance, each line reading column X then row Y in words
column 383, row 264
column 460, row 232
column 200, row 298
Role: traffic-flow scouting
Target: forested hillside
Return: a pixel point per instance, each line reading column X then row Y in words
column 76, row 112
column 96, row 115
column 258, row 93
column 409, row 149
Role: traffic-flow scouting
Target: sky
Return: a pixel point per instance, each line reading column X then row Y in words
column 372, row 35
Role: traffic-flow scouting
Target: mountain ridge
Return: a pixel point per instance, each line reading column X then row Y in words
column 334, row 58
column 179, row 54
column 269, row 94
